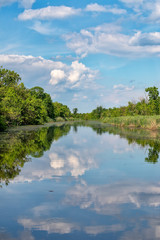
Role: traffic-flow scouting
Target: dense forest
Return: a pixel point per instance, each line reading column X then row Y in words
column 22, row 106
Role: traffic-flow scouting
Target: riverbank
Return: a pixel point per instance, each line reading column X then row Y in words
column 146, row 122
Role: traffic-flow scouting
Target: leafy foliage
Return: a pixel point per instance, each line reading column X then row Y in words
column 22, row 106
column 61, row 110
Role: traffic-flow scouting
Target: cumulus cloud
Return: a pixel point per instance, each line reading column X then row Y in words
column 153, row 9
column 55, row 73
column 50, row 12
column 146, row 39
column 94, row 7
column 75, row 76
column 97, row 40
column 56, row 76
column 23, row 3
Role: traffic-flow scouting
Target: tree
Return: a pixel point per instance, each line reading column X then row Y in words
column 97, row 113
column 75, row 111
column 8, row 77
column 61, row 110
column 153, row 93
column 39, row 93
column 154, row 99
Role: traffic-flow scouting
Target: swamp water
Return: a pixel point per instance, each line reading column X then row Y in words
column 79, row 181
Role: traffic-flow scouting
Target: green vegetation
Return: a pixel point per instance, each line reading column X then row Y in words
column 22, row 106
column 144, row 113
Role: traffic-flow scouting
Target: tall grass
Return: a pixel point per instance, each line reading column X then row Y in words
column 148, row 122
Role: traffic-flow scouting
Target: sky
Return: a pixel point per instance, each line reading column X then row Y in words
column 83, row 53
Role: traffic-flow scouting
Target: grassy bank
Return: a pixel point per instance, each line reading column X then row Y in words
column 147, row 122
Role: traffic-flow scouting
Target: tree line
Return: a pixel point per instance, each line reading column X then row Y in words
column 146, row 106
column 22, row 106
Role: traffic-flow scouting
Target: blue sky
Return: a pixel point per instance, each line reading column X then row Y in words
column 84, row 53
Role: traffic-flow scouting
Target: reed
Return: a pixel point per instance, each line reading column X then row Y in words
column 147, row 122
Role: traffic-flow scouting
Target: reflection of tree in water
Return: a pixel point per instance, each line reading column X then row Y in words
column 75, row 128
column 140, row 136
column 153, row 155
column 15, row 148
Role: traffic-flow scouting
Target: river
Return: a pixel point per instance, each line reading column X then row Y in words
column 79, row 181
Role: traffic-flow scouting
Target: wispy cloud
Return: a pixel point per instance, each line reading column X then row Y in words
column 23, row 3
column 45, row 29
column 50, row 12
column 94, row 7
column 121, row 87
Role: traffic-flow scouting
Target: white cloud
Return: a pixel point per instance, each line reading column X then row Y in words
column 94, row 7
column 97, row 40
column 48, row 72
column 106, row 27
column 45, row 29
column 75, row 76
column 23, row 3
column 154, row 8
column 50, row 12
column 27, row 3
column 146, row 39
column 147, row 10
column 121, row 87
column 56, row 76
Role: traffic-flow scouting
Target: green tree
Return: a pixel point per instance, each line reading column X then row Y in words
column 61, row 110
column 154, row 100
column 8, row 77
column 75, row 111
column 153, row 93
column 39, row 93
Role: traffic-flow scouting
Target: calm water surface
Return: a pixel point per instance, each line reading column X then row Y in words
column 82, row 181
